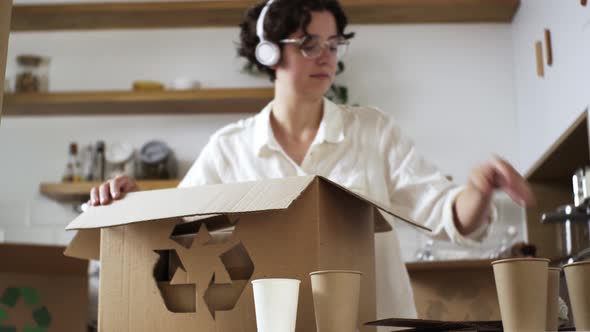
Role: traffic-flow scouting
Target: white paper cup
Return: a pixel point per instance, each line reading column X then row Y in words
column 276, row 301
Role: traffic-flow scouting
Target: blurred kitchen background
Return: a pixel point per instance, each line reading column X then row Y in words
column 461, row 91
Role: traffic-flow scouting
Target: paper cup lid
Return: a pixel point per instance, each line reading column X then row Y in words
column 576, row 264
column 523, row 259
column 275, row 279
column 336, row 271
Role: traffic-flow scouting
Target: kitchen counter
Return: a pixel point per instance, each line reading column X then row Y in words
column 449, row 265
column 454, row 290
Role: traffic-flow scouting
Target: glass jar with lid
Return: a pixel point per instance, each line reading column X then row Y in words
column 32, row 73
column 119, row 158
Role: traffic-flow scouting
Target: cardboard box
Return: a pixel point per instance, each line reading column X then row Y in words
column 160, row 272
column 42, row 290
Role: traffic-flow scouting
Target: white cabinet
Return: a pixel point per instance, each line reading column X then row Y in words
column 552, row 121
column 547, row 105
column 585, row 51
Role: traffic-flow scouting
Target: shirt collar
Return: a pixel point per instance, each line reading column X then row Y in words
column 331, row 127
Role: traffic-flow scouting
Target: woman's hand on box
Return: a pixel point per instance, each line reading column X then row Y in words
column 111, row 190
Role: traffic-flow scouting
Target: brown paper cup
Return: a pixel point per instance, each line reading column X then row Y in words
column 577, row 276
column 521, row 284
column 552, row 323
column 336, row 300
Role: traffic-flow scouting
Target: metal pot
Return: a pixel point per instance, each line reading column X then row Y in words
column 574, row 234
column 573, row 237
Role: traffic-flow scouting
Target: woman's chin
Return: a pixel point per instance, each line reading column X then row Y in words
column 321, row 87
column 316, row 94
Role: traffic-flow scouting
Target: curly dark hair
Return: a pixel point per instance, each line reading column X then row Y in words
column 283, row 18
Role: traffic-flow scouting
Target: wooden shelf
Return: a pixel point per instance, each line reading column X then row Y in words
column 129, row 102
column 202, row 13
column 78, row 191
column 569, row 152
column 429, row 11
column 551, row 181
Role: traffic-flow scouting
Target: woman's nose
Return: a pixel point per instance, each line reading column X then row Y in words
column 325, row 56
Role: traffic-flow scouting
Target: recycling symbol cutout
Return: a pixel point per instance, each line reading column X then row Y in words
column 30, row 297
column 208, row 266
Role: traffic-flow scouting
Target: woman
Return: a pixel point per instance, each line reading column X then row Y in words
column 300, row 132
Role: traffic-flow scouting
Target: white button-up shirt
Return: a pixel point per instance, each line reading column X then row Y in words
column 362, row 149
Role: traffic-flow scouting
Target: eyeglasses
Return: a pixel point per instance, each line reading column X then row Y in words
column 311, row 47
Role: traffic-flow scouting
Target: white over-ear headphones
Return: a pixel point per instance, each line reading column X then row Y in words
column 267, row 52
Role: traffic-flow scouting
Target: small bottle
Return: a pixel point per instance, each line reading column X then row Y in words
column 68, row 173
column 73, row 171
column 77, row 165
column 88, row 162
column 99, row 162
column 32, row 73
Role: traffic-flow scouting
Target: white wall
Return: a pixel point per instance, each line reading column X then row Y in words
column 450, row 86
